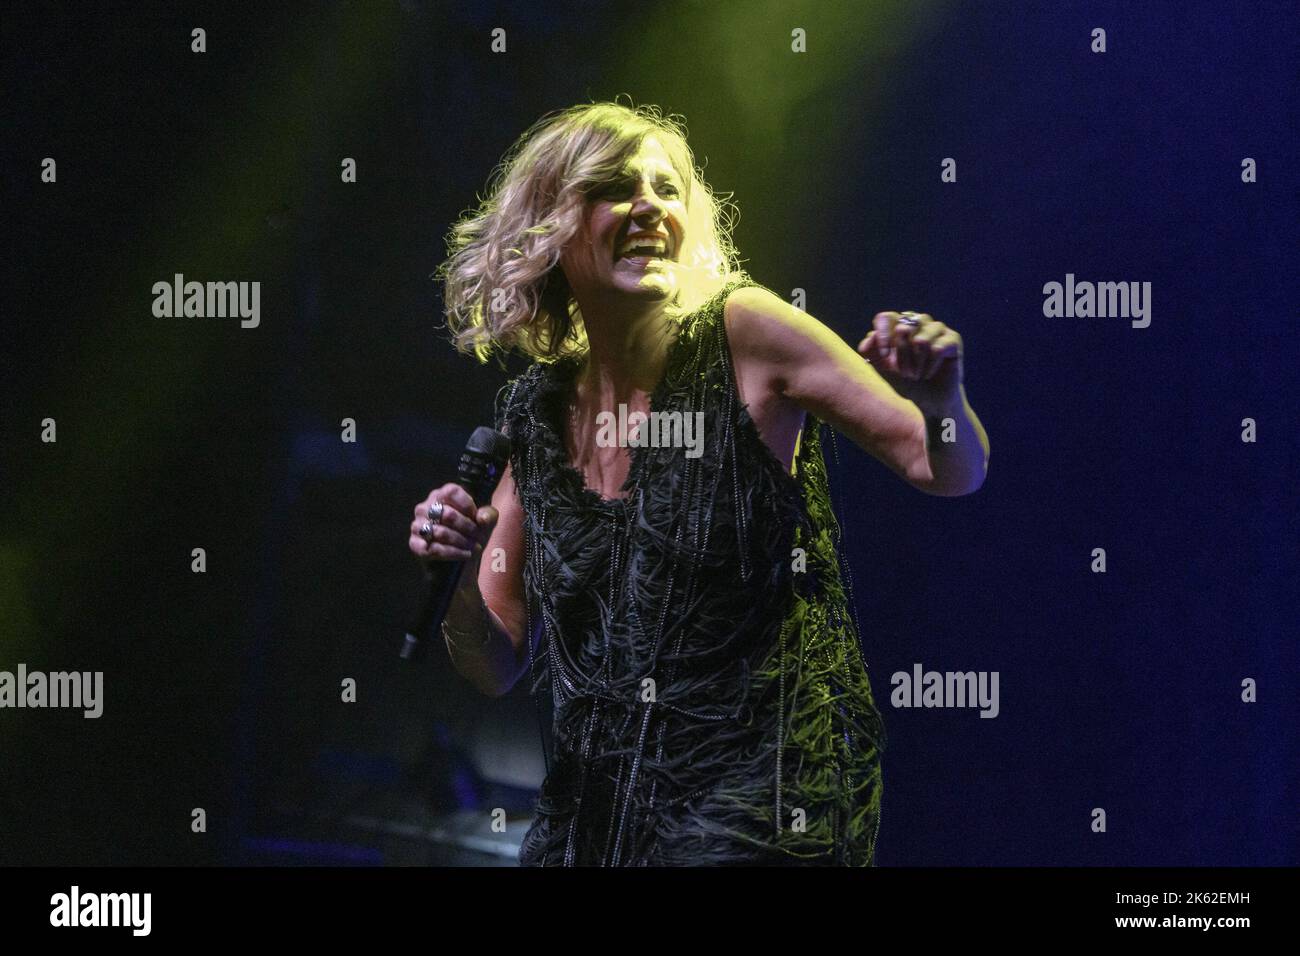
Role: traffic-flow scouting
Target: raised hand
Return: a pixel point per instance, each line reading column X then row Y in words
column 919, row 356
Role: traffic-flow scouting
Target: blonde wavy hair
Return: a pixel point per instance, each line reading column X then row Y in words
column 503, row 289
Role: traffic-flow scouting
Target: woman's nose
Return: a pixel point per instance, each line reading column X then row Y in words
column 647, row 203
column 648, row 216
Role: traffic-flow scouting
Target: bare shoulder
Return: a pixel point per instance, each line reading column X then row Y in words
column 768, row 334
column 759, row 329
column 754, row 313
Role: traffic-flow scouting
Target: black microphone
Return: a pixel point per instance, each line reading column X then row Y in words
column 481, row 465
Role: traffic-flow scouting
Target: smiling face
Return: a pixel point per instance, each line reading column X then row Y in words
column 634, row 229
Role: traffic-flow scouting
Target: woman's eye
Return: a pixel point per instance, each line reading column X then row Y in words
column 612, row 192
column 624, row 190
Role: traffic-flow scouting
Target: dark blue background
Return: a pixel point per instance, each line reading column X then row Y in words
column 1119, row 691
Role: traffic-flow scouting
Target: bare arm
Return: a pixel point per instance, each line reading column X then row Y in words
column 486, row 621
column 898, row 421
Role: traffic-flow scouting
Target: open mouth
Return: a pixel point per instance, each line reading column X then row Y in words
column 641, row 252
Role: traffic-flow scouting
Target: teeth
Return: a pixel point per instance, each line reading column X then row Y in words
column 655, row 247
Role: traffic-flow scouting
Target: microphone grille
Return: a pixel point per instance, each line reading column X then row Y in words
column 489, row 442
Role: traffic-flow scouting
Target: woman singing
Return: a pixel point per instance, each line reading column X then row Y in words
column 681, row 599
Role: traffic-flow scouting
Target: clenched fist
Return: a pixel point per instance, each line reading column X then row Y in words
column 449, row 527
column 919, row 356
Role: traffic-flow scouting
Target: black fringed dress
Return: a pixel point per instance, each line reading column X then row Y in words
column 711, row 705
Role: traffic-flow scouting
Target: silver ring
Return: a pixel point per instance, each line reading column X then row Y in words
column 436, row 516
column 909, row 319
column 426, row 529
